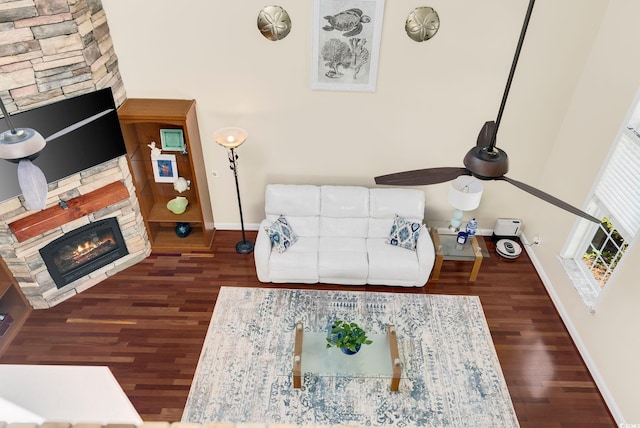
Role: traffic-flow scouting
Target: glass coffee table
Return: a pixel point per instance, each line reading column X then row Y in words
column 446, row 246
column 379, row 359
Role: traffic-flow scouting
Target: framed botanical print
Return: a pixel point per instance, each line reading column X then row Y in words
column 346, row 44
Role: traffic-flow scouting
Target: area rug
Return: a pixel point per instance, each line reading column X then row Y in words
column 451, row 373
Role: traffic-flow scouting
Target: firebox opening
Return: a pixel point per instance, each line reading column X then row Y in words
column 84, row 250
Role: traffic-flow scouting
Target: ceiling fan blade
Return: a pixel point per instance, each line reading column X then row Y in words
column 421, row 177
column 33, row 184
column 77, row 125
column 550, row 199
column 486, row 134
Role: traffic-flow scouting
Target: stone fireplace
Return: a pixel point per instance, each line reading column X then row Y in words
column 24, row 256
column 52, row 50
column 83, row 250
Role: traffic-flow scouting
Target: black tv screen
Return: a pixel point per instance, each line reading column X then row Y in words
column 90, row 145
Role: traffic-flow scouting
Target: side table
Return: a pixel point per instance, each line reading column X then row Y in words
column 447, row 248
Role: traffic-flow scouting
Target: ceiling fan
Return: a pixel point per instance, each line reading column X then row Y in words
column 22, row 146
column 485, row 161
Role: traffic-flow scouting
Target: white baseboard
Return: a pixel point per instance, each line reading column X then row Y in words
column 256, row 226
column 236, row 226
column 591, row 366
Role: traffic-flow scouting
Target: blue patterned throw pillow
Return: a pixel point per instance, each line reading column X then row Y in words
column 404, row 233
column 281, row 234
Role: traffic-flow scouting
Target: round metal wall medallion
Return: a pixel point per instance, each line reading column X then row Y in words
column 422, row 24
column 274, row 23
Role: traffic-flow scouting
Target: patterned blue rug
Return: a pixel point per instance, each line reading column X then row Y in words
column 451, row 374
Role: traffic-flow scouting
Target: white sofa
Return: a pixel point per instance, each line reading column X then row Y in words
column 342, row 232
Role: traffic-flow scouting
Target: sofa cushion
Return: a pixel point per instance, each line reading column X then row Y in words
column 344, row 227
column 389, row 265
column 281, row 234
column 343, row 260
column 292, row 200
column 404, row 233
column 344, row 201
column 298, row 264
column 386, row 203
column 304, row 226
column 300, row 204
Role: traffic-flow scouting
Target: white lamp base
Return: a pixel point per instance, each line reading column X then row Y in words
column 456, row 221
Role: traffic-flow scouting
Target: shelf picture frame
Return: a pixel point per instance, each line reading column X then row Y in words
column 172, row 140
column 346, row 44
column 165, row 168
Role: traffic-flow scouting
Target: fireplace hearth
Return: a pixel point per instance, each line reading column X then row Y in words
column 84, row 250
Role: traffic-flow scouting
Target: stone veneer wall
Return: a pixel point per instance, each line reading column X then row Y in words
column 23, row 258
column 51, row 50
column 55, row 49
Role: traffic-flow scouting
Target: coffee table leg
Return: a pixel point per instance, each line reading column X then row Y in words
column 297, row 356
column 395, row 358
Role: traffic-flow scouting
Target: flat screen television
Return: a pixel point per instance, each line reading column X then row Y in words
column 88, row 146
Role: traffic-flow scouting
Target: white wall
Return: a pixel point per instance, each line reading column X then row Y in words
column 577, row 75
column 605, row 91
column 431, row 100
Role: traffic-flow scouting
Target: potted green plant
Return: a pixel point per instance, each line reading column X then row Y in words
column 349, row 337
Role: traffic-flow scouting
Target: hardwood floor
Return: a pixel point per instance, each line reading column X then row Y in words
column 148, row 324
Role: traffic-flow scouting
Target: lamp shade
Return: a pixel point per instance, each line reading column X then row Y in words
column 230, row 137
column 465, row 193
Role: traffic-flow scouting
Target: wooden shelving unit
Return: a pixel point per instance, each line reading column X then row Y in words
column 141, row 120
column 12, row 303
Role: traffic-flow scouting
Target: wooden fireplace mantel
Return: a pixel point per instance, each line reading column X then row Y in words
column 56, row 216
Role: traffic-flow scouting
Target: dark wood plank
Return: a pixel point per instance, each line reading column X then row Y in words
column 42, row 221
column 148, row 325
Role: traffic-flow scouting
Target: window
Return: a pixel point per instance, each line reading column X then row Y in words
column 595, row 250
column 604, row 252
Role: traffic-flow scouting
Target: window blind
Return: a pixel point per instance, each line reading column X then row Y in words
column 619, row 186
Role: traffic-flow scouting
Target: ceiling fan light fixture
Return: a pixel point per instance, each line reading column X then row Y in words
column 23, row 143
column 33, row 184
column 486, row 165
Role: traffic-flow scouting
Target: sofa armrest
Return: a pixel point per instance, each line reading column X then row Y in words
column 426, row 256
column 262, row 252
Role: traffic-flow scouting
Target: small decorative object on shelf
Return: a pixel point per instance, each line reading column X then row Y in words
column 181, row 184
column 177, row 205
column 462, row 238
column 172, row 139
column 349, row 337
column 472, row 227
column 154, row 150
column 183, row 230
column 165, row 168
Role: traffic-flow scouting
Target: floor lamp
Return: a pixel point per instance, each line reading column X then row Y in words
column 230, row 138
column 464, row 195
